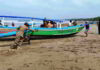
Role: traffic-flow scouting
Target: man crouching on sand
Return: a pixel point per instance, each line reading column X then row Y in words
column 21, row 35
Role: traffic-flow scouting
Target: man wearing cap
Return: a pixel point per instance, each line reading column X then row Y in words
column 20, row 35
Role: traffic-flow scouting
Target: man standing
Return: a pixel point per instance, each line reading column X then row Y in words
column 87, row 27
column 70, row 23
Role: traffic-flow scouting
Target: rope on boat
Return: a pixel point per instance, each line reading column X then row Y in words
column 14, row 32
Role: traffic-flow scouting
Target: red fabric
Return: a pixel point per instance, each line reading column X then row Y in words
column 6, row 31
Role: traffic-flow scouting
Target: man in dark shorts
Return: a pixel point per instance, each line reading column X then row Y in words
column 87, row 27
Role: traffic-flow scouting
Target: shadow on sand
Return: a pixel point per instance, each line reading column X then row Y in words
column 34, row 38
column 51, row 37
column 38, row 37
column 5, row 45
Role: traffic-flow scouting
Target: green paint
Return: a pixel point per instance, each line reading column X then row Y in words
column 57, row 32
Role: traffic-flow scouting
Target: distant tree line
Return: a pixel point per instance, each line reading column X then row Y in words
column 86, row 19
column 95, row 19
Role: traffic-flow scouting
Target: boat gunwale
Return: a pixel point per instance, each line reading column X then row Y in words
column 47, row 29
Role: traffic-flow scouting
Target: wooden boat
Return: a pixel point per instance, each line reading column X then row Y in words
column 57, row 31
column 71, row 30
column 45, row 31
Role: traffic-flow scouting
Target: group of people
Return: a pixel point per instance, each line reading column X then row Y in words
column 49, row 24
column 22, row 32
column 87, row 26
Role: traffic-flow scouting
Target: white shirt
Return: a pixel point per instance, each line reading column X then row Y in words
column 70, row 24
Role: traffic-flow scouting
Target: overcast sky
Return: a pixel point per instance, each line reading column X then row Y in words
column 51, row 8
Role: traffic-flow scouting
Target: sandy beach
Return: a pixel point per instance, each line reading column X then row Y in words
column 69, row 53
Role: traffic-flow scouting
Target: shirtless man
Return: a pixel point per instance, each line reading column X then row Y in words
column 50, row 25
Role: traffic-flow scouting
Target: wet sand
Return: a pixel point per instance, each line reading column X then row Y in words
column 70, row 53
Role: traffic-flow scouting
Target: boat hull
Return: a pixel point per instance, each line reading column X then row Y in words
column 44, row 31
column 70, row 31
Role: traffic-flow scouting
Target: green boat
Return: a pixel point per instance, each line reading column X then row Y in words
column 57, row 31
column 46, row 31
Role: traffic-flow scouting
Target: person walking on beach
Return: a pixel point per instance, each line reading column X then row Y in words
column 21, row 35
column 87, row 27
